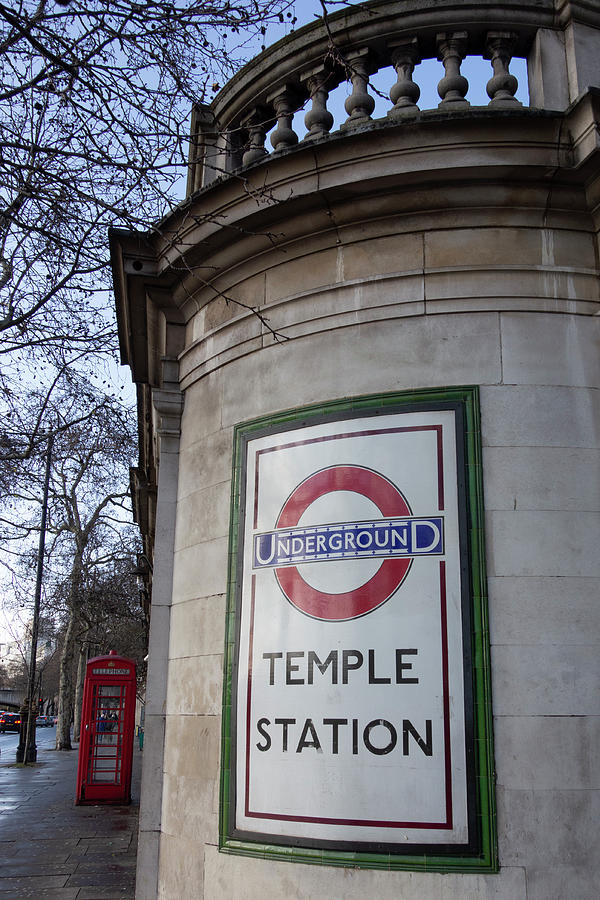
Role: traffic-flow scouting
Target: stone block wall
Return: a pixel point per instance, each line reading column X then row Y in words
column 538, row 371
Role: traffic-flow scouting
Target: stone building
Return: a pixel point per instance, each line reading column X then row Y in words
column 324, row 305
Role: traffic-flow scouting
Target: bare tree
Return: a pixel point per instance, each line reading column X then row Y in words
column 14, row 672
column 87, row 521
column 111, row 617
column 95, row 99
column 95, row 103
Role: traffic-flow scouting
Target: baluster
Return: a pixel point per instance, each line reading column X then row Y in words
column 318, row 119
column 359, row 105
column 257, row 134
column 233, row 150
column 453, row 87
column 405, row 93
column 502, row 87
column 284, row 101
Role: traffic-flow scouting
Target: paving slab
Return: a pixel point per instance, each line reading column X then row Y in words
column 32, row 883
column 105, row 893
column 15, row 869
column 44, row 894
column 50, row 848
column 104, row 865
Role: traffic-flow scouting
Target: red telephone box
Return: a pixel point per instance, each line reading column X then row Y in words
column 107, row 726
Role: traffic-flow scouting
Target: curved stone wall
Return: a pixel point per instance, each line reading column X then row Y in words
column 478, row 277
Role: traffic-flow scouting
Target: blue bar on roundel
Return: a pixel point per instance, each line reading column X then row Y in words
column 388, row 538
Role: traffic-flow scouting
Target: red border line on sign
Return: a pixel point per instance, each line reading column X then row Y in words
column 252, row 814
column 249, row 694
column 440, row 450
column 446, row 693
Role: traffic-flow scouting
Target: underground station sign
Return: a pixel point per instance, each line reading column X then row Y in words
column 352, row 701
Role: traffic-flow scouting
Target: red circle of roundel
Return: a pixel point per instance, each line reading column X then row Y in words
column 380, row 587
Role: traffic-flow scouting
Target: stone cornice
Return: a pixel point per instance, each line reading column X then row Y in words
column 587, row 12
column 149, row 323
column 238, row 218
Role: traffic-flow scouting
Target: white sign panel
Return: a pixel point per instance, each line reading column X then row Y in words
column 349, row 685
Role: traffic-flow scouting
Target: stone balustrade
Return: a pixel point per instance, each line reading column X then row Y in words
column 253, row 115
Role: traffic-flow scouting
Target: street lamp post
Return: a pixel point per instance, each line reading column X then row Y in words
column 27, row 748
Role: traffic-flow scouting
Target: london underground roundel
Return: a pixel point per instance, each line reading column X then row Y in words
column 346, row 541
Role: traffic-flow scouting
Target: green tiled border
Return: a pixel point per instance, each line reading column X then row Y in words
column 486, row 861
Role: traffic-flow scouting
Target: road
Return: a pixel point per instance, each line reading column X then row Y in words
column 45, row 739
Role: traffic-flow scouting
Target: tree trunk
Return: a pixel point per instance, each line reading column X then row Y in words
column 66, row 685
column 81, row 664
column 65, row 688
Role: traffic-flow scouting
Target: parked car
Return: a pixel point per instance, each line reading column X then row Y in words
column 10, row 722
column 44, row 722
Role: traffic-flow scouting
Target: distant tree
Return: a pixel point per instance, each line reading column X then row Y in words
column 15, row 673
column 111, row 619
column 88, row 518
column 88, row 523
column 65, row 411
column 48, row 675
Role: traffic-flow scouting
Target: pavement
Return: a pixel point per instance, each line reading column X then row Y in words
column 50, row 848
